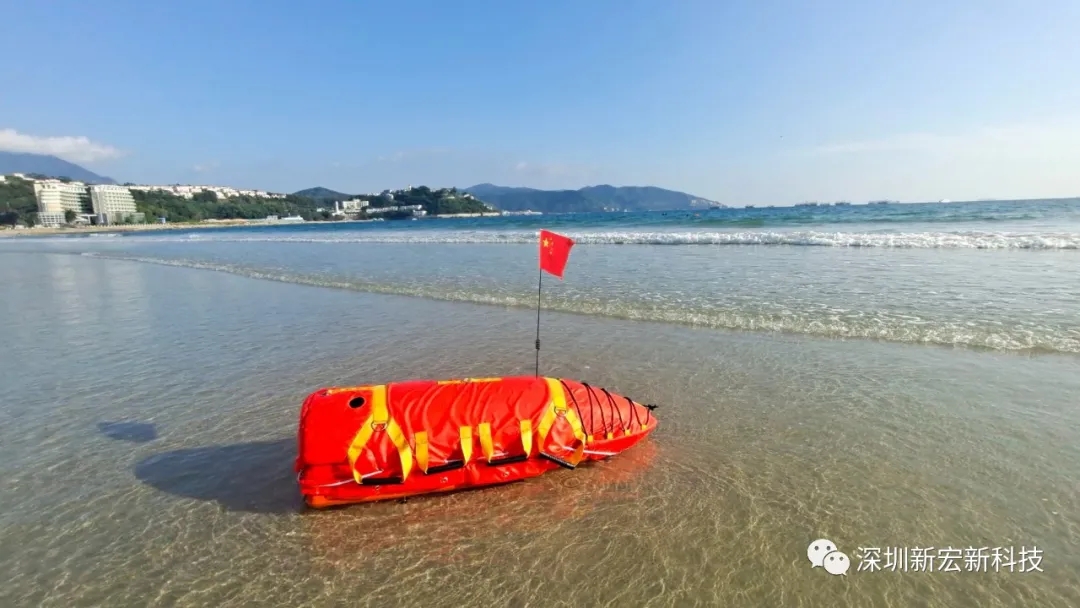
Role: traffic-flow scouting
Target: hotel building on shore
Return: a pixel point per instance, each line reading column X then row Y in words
column 55, row 198
column 103, row 204
column 96, row 204
column 113, row 204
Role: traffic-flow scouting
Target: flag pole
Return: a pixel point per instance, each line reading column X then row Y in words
column 539, row 287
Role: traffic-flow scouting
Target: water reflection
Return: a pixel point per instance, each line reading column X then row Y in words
column 125, row 294
column 437, row 528
column 258, row 477
column 64, row 289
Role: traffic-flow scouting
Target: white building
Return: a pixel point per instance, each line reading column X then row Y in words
column 417, row 210
column 222, row 192
column 55, row 198
column 113, row 204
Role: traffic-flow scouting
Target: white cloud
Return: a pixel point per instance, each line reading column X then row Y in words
column 1023, row 140
column 392, row 158
column 1021, row 160
column 68, row 147
column 204, row 167
column 894, row 143
column 403, row 156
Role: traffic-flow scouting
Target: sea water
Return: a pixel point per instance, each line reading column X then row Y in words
column 887, row 376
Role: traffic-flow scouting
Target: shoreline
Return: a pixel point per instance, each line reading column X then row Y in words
column 84, row 230
column 54, row 231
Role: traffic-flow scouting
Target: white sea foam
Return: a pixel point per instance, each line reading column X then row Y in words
column 909, row 240
column 834, row 323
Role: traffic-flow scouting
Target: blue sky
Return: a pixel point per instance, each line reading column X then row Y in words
column 742, row 102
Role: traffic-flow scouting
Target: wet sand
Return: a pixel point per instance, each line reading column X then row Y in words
column 119, row 228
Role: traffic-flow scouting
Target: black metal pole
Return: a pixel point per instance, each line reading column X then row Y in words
column 539, row 286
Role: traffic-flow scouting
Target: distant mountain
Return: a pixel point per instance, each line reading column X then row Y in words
column 482, row 190
column 323, row 194
column 51, row 166
column 590, row 198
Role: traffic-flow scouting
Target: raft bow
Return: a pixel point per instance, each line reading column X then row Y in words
column 366, row 443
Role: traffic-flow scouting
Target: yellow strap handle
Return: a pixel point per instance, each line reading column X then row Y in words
column 466, row 443
column 488, row 446
column 467, row 380
column 559, row 409
column 526, row 437
column 343, row 389
column 422, row 450
column 379, row 420
column 485, row 440
column 402, row 445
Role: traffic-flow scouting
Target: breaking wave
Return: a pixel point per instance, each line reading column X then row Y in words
column 877, row 325
column 908, row 240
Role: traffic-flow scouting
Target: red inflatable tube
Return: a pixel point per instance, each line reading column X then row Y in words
column 366, row 443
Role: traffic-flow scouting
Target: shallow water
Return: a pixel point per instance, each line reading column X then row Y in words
column 990, row 275
column 149, row 413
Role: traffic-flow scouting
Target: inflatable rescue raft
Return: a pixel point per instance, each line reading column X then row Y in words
column 367, row 443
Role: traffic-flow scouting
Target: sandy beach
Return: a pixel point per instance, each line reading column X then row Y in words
column 77, row 230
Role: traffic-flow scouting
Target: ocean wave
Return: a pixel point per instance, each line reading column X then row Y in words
column 877, row 325
column 832, row 217
column 909, row 240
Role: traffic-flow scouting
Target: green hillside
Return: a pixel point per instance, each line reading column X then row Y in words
column 318, row 206
column 17, row 201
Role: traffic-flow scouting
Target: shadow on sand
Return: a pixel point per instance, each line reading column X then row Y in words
column 136, row 432
column 255, row 477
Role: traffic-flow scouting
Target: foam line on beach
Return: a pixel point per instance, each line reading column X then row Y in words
column 877, row 325
column 909, row 240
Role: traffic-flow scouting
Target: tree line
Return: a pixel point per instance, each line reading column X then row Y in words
column 17, row 202
column 19, row 205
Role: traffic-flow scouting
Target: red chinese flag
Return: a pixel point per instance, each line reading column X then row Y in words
column 554, row 251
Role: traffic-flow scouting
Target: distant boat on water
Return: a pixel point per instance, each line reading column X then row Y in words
column 291, row 218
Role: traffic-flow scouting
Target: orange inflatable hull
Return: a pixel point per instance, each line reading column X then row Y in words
column 380, row 442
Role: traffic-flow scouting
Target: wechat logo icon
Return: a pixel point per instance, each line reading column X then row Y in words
column 824, row 553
